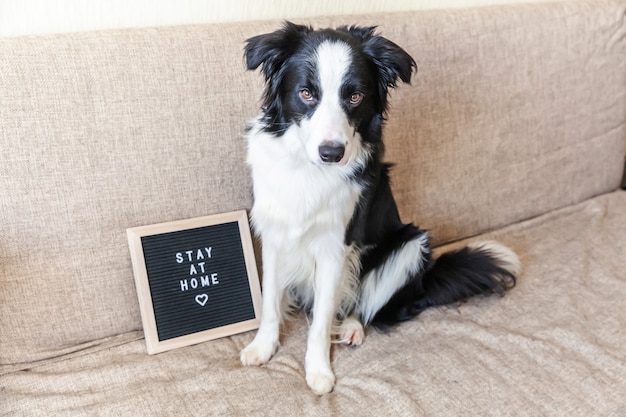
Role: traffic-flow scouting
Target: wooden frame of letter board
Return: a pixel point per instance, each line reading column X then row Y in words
column 135, row 234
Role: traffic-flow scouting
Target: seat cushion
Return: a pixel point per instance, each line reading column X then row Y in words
column 554, row 345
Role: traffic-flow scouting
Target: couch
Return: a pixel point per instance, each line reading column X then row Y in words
column 513, row 129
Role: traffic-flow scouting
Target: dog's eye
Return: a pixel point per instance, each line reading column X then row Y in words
column 356, row 99
column 306, row 94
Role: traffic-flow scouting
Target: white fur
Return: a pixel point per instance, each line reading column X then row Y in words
column 329, row 123
column 351, row 331
column 380, row 284
column 508, row 259
column 303, row 233
column 302, row 210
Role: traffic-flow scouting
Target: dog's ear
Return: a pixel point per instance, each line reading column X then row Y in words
column 391, row 61
column 272, row 49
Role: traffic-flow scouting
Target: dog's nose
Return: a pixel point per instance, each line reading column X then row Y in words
column 331, row 152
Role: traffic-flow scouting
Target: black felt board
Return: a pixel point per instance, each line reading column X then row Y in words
column 198, row 279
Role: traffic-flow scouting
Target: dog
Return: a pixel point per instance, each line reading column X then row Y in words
column 331, row 235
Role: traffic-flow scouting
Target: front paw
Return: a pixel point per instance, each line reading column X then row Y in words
column 257, row 353
column 320, row 382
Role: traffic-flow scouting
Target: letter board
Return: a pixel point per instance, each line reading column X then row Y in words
column 196, row 279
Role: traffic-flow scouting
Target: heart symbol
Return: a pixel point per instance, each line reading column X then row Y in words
column 202, row 299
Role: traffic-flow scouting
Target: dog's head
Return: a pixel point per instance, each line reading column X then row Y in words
column 330, row 85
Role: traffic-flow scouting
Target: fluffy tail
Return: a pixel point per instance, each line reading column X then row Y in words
column 479, row 268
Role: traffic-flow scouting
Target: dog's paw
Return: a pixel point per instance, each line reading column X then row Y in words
column 351, row 332
column 257, row 353
column 320, row 382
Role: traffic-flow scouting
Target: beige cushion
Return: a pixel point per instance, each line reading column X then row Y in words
column 553, row 346
column 516, row 110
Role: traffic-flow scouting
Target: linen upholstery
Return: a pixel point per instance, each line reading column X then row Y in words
column 513, row 128
column 551, row 347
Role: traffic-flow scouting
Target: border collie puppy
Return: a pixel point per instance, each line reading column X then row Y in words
column 332, row 238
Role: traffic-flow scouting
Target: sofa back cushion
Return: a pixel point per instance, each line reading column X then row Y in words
column 515, row 111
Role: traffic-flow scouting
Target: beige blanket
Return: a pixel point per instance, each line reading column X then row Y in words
column 554, row 346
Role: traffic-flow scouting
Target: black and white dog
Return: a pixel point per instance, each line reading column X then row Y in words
column 331, row 234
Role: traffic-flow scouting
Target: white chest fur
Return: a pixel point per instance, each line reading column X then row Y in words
column 295, row 198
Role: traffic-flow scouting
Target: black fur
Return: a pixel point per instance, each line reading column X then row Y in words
column 453, row 277
column 376, row 228
column 285, row 60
